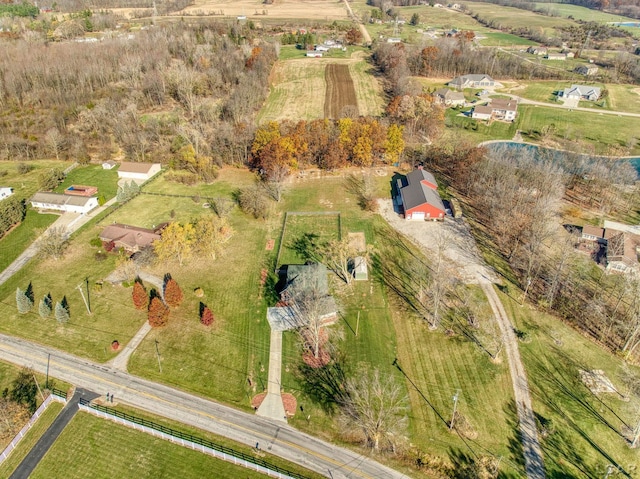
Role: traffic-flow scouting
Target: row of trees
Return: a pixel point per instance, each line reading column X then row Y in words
column 157, row 306
column 12, row 212
column 25, row 302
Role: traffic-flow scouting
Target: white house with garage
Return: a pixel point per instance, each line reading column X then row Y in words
column 64, row 203
column 138, row 171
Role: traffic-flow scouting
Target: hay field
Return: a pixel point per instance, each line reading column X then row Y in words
column 298, row 89
column 309, row 9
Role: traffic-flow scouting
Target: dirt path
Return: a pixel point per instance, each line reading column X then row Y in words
column 462, row 251
column 340, row 91
column 365, row 34
column 531, row 450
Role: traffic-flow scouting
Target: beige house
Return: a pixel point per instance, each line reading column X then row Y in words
column 129, row 238
column 498, row 109
column 447, row 97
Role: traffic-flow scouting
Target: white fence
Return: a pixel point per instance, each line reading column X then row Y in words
column 186, row 443
column 12, row 445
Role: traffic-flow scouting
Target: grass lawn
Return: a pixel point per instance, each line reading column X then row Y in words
column 502, row 39
column 92, row 175
column 479, row 131
column 14, row 243
column 517, row 18
column 114, row 316
column 583, row 13
column 607, row 133
column 325, row 228
column 25, row 185
column 585, row 435
column 93, row 447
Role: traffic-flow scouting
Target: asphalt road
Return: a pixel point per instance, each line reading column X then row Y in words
column 274, row 437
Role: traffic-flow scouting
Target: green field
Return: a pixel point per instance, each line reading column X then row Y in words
column 583, row 13
column 92, row 175
column 501, row 39
column 323, row 227
column 586, row 427
column 14, row 243
column 93, row 447
column 25, row 185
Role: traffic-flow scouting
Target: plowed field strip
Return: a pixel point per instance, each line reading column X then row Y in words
column 340, row 90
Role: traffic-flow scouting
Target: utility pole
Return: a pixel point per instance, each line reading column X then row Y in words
column 158, row 356
column 46, row 384
column 357, row 324
column 526, row 290
column 88, row 294
column 455, row 405
column 79, row 288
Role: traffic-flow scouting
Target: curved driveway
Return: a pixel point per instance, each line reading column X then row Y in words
column 274, row 437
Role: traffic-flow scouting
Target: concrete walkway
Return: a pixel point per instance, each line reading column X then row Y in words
column 122, row 359
column 69, row 221
column 272, row 406
column 30, row 462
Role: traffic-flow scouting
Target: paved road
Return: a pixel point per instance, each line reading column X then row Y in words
column 276, row 438
column 31, row 460
column 531, row 450
column 524, row 101
column 70, row 221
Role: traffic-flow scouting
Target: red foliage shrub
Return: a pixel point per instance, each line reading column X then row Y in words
column 139, row 295
column 172, row 293
column 206, row 317
column 158, row 313
column 108, row 246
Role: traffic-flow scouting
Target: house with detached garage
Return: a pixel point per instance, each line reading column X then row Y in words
column 138, row 171
column 64, row 203
column 419, row 196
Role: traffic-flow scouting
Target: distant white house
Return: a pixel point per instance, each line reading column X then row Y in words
column 5, row 192
column 473, row 81
column 321, row 48
column 314, row 54
column 497, row 109
column 64, row 203
column 109, row 165
column 138, row 171
column 582, row 92
column 587, row 70
column 555, row 56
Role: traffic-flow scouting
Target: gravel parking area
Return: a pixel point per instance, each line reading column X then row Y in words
column 461, row 249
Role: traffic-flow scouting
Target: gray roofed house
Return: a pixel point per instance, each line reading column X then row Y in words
column 473, row 81
column 419, row 196
column 582, row 92
column 449, row 97
column 307, row 280
column 62, row 202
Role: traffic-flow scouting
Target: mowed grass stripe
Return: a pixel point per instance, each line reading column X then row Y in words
column 98, row 448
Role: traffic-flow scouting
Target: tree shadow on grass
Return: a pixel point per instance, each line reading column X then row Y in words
column 324, row 385
column 568, row 399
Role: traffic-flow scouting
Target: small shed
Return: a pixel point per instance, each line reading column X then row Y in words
column 360, row 271
column 109, row 165
column 5, row 192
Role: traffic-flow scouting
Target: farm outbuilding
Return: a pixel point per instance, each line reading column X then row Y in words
column 419, row 196
column 359, row 268
column 138, row 171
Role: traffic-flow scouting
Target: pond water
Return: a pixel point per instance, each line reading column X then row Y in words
column 635, row 161
column 626, row 24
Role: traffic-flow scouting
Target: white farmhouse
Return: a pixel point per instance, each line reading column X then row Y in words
column 64, row 203
column 138, row 171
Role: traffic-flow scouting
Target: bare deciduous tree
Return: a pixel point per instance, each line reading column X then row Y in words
column 376, row 406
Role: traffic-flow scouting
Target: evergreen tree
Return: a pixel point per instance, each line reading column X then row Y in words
column 172, row 293
column 158, row 314
column 45, row 307
column 139, row 295
column 23, row 302
column 62, row 311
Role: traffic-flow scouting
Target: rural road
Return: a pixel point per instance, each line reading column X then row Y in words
column 365, row 34
column 531, row 450
column 524, row 101
column 276, row 438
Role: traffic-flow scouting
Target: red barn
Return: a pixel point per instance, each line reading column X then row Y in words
column 419, row 196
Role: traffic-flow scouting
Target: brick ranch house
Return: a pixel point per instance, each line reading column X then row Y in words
column 130, row 238
column 419, row 196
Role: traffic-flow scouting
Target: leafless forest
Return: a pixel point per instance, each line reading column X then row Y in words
column 135, row 95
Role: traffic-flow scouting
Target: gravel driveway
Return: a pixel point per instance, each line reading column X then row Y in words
column 461, row 249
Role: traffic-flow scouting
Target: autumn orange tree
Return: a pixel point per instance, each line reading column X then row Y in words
column 158, row 313
column 172, row 293
column 139, row 295
column 206, row 316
